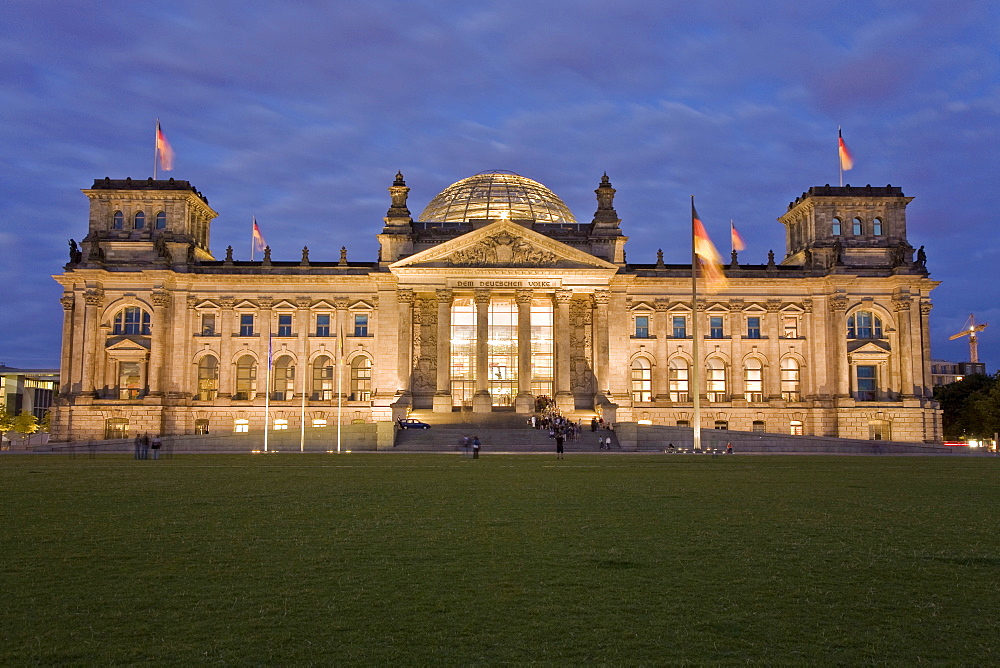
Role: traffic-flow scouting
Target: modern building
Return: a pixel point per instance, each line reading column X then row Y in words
column 945, row 372
column 29, row 390
column 495, row 298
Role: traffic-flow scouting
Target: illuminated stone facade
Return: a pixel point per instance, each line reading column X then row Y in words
column 490, row 314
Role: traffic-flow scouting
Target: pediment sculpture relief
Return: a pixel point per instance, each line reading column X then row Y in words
column 502, row 250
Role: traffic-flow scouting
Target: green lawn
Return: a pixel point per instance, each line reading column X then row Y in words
column 417, row 559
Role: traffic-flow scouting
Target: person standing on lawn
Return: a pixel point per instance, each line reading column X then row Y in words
column 475, row 447
column 559, row 446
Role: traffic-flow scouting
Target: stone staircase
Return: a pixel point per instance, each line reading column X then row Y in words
column 497, row 431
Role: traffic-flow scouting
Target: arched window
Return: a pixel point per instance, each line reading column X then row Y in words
column 161, row 220
column 139, row 221
column 131, row 320
column 715, row 380
column 642, row 380
column 322, row 387
column 877, row 227
column 284, row 378
column 856, row 227
column 678, row 379
column 208, row 378
column 118, row 221
column 753, row 381
column 836, row 227
column 361, row 379
column 864, row 325
column 790, row 388
column 246, row 378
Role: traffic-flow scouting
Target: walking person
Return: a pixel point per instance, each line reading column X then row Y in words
column 475, row 447
column 138, row 446
column 156, row 444
column 607, row 443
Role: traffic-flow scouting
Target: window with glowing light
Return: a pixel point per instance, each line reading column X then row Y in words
column 542, row 348
column 790, row 379
column 208, row 378
column 246, row 378
column 361, row 378
column 241, row 426
column 753, row 381
column 642, row 380
column 678, row 380
column 715, row 380
column 322, row 376
column 463, row 350
column 283, row 373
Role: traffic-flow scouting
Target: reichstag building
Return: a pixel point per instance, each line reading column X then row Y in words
column 495, row 298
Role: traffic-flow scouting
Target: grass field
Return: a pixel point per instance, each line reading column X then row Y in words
column 420, row 559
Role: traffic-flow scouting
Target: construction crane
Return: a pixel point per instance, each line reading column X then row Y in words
column 970, row 330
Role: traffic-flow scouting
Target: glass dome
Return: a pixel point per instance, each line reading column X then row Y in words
column 496, row 194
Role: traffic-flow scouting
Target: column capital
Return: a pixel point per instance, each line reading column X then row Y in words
column 227, row 302
column 773, row 305
column 925, row 308
column 341, row 302
column 444, row 294
column 67, row 301
column 602, row 297
column 404, row 295
column 161, row 298
column 838, row 303
column 524, row 296
column 901, row 303
column 303, row 302
column 563, row 296
column 94, row 297
column 265, row 302
column 482, row 296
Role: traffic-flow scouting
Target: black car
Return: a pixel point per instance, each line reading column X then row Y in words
column 410, row 423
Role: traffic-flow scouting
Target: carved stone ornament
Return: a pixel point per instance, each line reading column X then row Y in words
column 67, row 302
column 838, row 303
column 94, row 297
column 161, row 298
column 501, row 250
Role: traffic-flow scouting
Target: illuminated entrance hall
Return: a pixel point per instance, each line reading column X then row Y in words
column 501, row 375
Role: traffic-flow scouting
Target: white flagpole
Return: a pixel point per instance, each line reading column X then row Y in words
column 267, row 390
column 156, row 146
column 340, row 371
column 253, row 241
column 302, row 419
column 840, row 157
column 695, row 348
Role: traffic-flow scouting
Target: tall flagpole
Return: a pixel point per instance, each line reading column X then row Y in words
column 696, row 361
column 840, row 158
column 340, row 370
column 253, row 241
column 267, row 389
column 302, row 419
column 156, row 145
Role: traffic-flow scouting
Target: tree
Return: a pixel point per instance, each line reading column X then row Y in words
column 6, row 422
column 25, row 424
column 965, row 405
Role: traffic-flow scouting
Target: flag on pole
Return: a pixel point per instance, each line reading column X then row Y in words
column 708, row 257
column 258, row 239
column 163, row 150
column 737, row 240
column 846, row 161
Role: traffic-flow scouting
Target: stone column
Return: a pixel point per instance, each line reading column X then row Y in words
column 404, row 298
column 772, row 372
column 442, row 394
column 565, row 401
column 302, row 367
column 901, row 305
column 481, row 401
column 345, row 328
column 838, row 331
column 601, row 344
column 227, row 331
column 66, row 354
column 264, row 374
column 158, row 342
column 524, row 402
column 661, row 379
column 926, row 389
column 92, row 345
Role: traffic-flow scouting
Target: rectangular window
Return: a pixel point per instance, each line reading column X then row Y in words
column 721, row 424
column 360, row 324
column 758, row 426
column 715, row 327
column 323, row 324
column 201, row 426
column 319, row 422
column 753, row 327
column 867, row 387
column 241, row 426
column 680, row 327
column 246, row 324
column 642, row 326
column 208, row 324
column 790, row 327
column 795, row 427
column 280, row 424
column 284, row 324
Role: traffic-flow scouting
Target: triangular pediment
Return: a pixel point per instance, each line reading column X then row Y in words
column 874, row 347
column 503, row 244
column 126, row 344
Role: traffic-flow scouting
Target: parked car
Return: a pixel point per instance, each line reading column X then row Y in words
column 410, row 423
